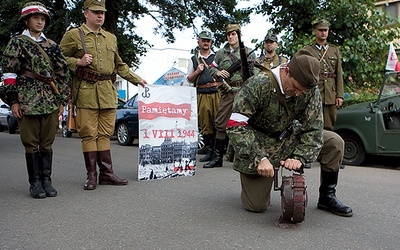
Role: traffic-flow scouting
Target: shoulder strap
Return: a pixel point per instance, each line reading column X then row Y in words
column 82, row 40
column 27, row 38
column 281, row 97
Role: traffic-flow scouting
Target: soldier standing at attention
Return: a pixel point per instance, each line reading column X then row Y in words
column 36, row 79
column 207, row 94
column 270, row 59
column 224, row 59
column 331, row 76
column 92, row 55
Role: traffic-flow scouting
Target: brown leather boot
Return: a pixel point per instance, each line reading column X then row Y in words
column 90, row 163
column 107, row 176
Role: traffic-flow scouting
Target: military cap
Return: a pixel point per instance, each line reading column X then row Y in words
column 95, row 5
column 321, row 24
column 232, row 27
column 34, row 8
column 206, row 35
column 271, row 37
column 304, row 68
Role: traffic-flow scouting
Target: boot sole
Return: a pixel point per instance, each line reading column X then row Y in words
column 111, row 183
column 321, row 207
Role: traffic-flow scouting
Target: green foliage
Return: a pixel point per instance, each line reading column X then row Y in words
column 122, row 17
column 357, row 28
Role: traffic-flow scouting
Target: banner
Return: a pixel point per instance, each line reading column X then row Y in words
column 168, row 132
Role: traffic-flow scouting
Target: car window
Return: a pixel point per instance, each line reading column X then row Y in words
column 391, row 86
column 132, row 103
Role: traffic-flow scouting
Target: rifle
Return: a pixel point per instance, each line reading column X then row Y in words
column 243, row 59
column 71, row 117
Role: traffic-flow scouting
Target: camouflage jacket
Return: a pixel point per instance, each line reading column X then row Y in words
column 35, row 97
column 224, row 58
column 103, row 47
column 258, row 100
column 331, row 74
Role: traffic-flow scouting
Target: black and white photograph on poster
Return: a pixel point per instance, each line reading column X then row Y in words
column 168, row 132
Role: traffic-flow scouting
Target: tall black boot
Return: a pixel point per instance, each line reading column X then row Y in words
column 217, row 156
column 107, row 176
column 208, row 144
column 91, row 170
column 32, row 163
column 327, row 195
column 46, row 160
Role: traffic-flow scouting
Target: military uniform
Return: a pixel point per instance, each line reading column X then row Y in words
column 224, row 59
column 271, row 62
column 36, row 77
column 331, row 76
column 96, row 100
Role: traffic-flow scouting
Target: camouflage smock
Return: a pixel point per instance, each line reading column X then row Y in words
column 35, row 97
column 272, row 62
column 331, row 74
column 258, row 100
column 224, row 58
column 103, row 47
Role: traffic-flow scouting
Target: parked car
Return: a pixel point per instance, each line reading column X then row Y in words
column 68, row 132
column 127, row 124
column 372, row 128
column 7, row 119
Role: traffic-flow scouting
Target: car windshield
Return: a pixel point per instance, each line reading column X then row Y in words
column 391, row 86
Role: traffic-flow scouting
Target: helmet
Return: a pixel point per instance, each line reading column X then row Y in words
column 34, row 8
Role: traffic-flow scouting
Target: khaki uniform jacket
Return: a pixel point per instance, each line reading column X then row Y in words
column 331, row 73
column 103, row 47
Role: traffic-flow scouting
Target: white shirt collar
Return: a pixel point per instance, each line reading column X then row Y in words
column 276, row 72
column 42, row 37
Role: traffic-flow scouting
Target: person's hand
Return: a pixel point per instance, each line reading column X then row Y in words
column 200, row 68
column 60, row 110
column 291, row 164
column 85, row 60
column 223, row 73
column 265, row 168
column 16, row 110
column 339, row 102
column 142, row 82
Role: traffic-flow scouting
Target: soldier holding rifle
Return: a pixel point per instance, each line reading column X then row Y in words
column 227, row 66
column 92, row 54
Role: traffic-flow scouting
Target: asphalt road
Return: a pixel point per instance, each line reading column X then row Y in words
column 200, row 212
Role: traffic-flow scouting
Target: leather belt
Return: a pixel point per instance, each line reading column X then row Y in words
column 328, row 75
column 37, row 76
column 105, row 77
column 208, row 85
column 236, row 83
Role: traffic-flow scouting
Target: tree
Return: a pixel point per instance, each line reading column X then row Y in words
column 357, row 27
column 122, row 16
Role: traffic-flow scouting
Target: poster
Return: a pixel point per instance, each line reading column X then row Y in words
column 168, row 132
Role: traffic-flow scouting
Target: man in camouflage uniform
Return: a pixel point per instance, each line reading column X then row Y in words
column 270, row 59
column 94, row 93
column 264, row 117
column 331, row 75
column 207, row 94
column 36, row 79
column 224, row 59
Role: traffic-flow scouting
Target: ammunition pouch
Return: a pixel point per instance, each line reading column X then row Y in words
column 92, row 75
column 224, row 88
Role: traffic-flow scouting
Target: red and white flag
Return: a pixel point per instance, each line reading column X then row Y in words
column 392, row 63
